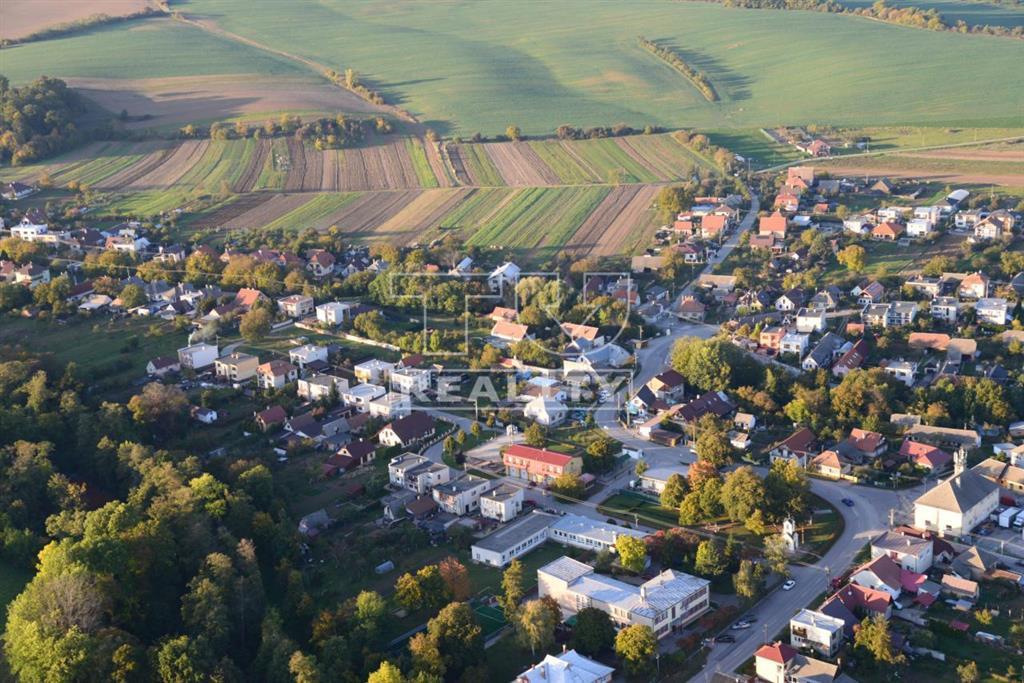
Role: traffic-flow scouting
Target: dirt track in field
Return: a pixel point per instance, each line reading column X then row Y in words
column 519, row 164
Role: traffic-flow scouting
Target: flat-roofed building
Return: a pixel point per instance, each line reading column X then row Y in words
column 589, row 534
column 665, row 603
column 514, row 540
column 817, row 631
column 461, row 496
column 503, row 503
column 236, row 367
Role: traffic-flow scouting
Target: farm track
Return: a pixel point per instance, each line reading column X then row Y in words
column 252, row 172
column 519, row 164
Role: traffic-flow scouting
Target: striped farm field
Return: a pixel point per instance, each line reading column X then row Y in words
column 562, row 158
column 477, row 209
column 421, row 218
column 539, row 216
column 612, row 163
column 420, row 162
column 473, row 166
column 623, row 220
column 519, row 164
column 315, row 213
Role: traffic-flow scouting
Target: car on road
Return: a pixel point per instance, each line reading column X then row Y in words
column 789, row 585
column 740, row 625
column 725, row 639
column 848, row 502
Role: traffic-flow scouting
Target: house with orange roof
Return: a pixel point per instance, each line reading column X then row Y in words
column 246, row 298
column 925, row 455
column 509, row 332
column 772, row 225
column 830, row 464
column 501, row 313
column 787, row 201
column 974, row 286
column 781, row 663
column 888, row 231
column 713, row 226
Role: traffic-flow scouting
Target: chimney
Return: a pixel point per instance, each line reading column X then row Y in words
column 959, row 461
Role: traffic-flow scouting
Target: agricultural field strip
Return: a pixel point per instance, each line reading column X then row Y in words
column 424, row 171
column 261, row 214
column 538, row 216
column 519, row 165
column 423, row 215
column 313, row 212
column 596, row 225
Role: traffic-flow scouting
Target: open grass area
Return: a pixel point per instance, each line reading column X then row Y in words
column 466, row 67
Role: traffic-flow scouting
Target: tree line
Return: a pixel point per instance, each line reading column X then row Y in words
column 324, row 132
column 698, row 78
column 69, row 28
column 915, row 17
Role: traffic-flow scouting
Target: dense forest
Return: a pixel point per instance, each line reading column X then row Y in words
column 37, row 120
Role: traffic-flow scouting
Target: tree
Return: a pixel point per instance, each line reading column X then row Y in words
column 641, row 467
column 303, row 668
column 746, row 581
column 255, row 324
column 408, row 593
column 160, row 406
column 775, row 554
column 676, row 488
column 709, row 561
column 456, row 578
column 873, row 635
column 712, row 444
column 742, row 493
column 632, row 552
column 636, row 646
column 968, row 672
column 568, row 484
column 689, row 509
column 370, row 608
column 435, row 592
column 594, row 632
column 513, row 133
column 132, row 296
column 852, row 257
column 535, row 626
column 386, row 673
column 512, row 589
column 534, row 436
column 452, row 642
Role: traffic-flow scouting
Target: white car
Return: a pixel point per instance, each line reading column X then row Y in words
column 788, row 586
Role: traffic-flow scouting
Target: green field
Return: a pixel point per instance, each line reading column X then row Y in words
column 972, row 12
column 313, row 212
column 464, row 67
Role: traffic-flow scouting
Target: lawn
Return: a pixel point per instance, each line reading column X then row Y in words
column 467, row 67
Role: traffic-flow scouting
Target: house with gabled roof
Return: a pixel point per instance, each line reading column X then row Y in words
column 408, row 431
column 883, row 573
column 852, row 359
column 925, row 455
column 830, row 464
column 774, row 224
column 798, row 447
column 957, row 505
column 510, row 332
column 912, row 553
column 781, row 663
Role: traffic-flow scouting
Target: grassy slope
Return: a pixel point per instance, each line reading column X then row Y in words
column 155, row 48
column 491, row 64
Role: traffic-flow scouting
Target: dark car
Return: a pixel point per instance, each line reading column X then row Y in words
column 725, row 639
column 848, row 502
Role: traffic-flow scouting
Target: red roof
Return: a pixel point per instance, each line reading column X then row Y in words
column 780, row 653
column 925, row 455
column 860, row 597
column 539, row 454
column 958, row 626
column 713, row 223
column 774, row 224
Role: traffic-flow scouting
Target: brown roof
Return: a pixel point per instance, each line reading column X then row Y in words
column 502, row 313
column 575, row 331
column 776, row 223
column 276, row 368
column 272, row 415
column 888, row 229
column 800, row 441
column 865, row 441
column 247, row 296
column 780, row 653
column 928, row 340
column 416, row 425
column 508, row 330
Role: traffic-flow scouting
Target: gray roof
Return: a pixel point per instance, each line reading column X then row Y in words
column 517, row 532
column 502, row 492
column 467, row 483
column 567, row 569
column 907, row 545
column 958, row 494
column 829, row 344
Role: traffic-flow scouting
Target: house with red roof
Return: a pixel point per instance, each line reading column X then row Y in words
column 862, row 445
column 852, row 603
column 887, row 230
column 798, row 447
column 246, row 298
column 772, row 225
column 713, row 225
column 510, row 332
column 781, row 663
column 885, row 574
column 538, row 464
column 788, row 201
column 925, row 455
column 852, row 359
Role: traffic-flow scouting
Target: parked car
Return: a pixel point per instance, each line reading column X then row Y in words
column 740, row 625
column 789, row 585
column 848, row 502
column 725, row 639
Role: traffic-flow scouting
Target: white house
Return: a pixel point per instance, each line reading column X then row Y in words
column 461, row 496
column 991, row 310
column 410, row 380
column 910, row 552
column 567, row 667
column 321, row 386
column 956, row 506
column 902, row 370
column 546, row 411
column 589, row 534
column 781, row 663
column 919, row 227
column 810, row 320
column 795, row 343
column 390, row 406
column 503, row 503
column 333, row 312
column 656, row 478
column 296, row 305
column 514, row 540
column 373, row 371
column 817, row 631
column 306, row 354
column 505, row 275
column 198, row 356
column 945, row 308
column 668, row 601
column 276, row 374
column 416, row 472
column 360, row 395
